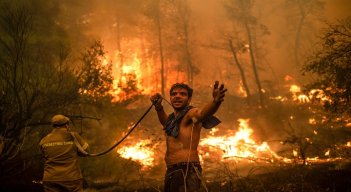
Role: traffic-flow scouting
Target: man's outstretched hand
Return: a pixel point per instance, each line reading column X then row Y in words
column 218, row 92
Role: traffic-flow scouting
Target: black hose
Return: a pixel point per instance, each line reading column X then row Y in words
column 120, row 141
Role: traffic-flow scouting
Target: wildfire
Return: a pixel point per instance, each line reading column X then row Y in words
column 129, row 79
column 137, row 75
column 237, row 146
column 233, row 146
column 141, row 152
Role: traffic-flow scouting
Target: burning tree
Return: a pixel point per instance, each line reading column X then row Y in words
column 96, row 76
column 331, row 67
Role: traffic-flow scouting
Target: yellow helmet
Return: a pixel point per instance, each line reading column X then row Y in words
column 59, row 120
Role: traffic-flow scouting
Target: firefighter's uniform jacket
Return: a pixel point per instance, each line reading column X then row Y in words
column 61, row 155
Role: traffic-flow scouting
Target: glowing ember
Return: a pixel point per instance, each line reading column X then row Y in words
column 141, row 152
column 295, row 153
column 312, row 121
column 295, row 89
column 241, row 91
column 318, row 94
column 297, row 95
column 327, row 153
column 279, row 98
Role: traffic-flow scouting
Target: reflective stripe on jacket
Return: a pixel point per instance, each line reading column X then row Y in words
column 61, row 156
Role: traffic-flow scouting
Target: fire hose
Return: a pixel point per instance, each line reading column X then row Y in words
column 81, row 150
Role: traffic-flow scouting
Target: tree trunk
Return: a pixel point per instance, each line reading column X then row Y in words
column 253, row 62
column 184, row 15
column 242, row 73
column 298, row 37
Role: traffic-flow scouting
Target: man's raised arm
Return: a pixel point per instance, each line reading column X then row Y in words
column 211, row 108
column 157, row 102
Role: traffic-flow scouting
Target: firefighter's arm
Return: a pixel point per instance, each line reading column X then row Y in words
column 82, row 142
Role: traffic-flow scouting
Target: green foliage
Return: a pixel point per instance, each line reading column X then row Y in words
column 96, row 77
column 38, row 77
column 331, row 66
column 34, row 76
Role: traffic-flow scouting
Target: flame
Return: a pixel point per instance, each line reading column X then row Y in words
column 241, row 91
column 241, row 145
column 327, row 153
column 137, row 75
column 319, row 94
column 295, row 89
column 279, row 98
column 237, row 145
column 312, row 121
column 141, row 152
column 295, row 153
column 129, row 79
column 234, row 146
column 297, row 95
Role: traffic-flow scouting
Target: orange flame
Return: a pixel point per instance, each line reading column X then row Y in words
column 235, row 146
column 141, row 152
column 297, row 95
column 241, row 145
column 137, row 76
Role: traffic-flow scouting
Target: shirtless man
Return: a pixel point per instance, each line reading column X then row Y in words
column 183, row 129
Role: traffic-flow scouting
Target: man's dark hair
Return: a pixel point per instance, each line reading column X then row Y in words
column 182, row 86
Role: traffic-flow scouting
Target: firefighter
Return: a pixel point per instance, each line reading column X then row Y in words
column 61, row 151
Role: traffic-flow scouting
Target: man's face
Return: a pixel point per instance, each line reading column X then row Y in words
column 180, row 98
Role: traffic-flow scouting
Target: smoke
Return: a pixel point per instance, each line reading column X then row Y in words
column 281, row 49
column 119, row 23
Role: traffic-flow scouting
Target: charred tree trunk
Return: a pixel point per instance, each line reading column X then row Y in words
column 242, row 73
column 253, row 62
column 184, row 16
column 298, row 36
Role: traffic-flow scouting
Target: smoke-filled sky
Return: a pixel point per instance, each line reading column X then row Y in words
column 209, row 31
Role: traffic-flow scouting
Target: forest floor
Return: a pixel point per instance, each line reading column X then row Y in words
column 325, row 177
